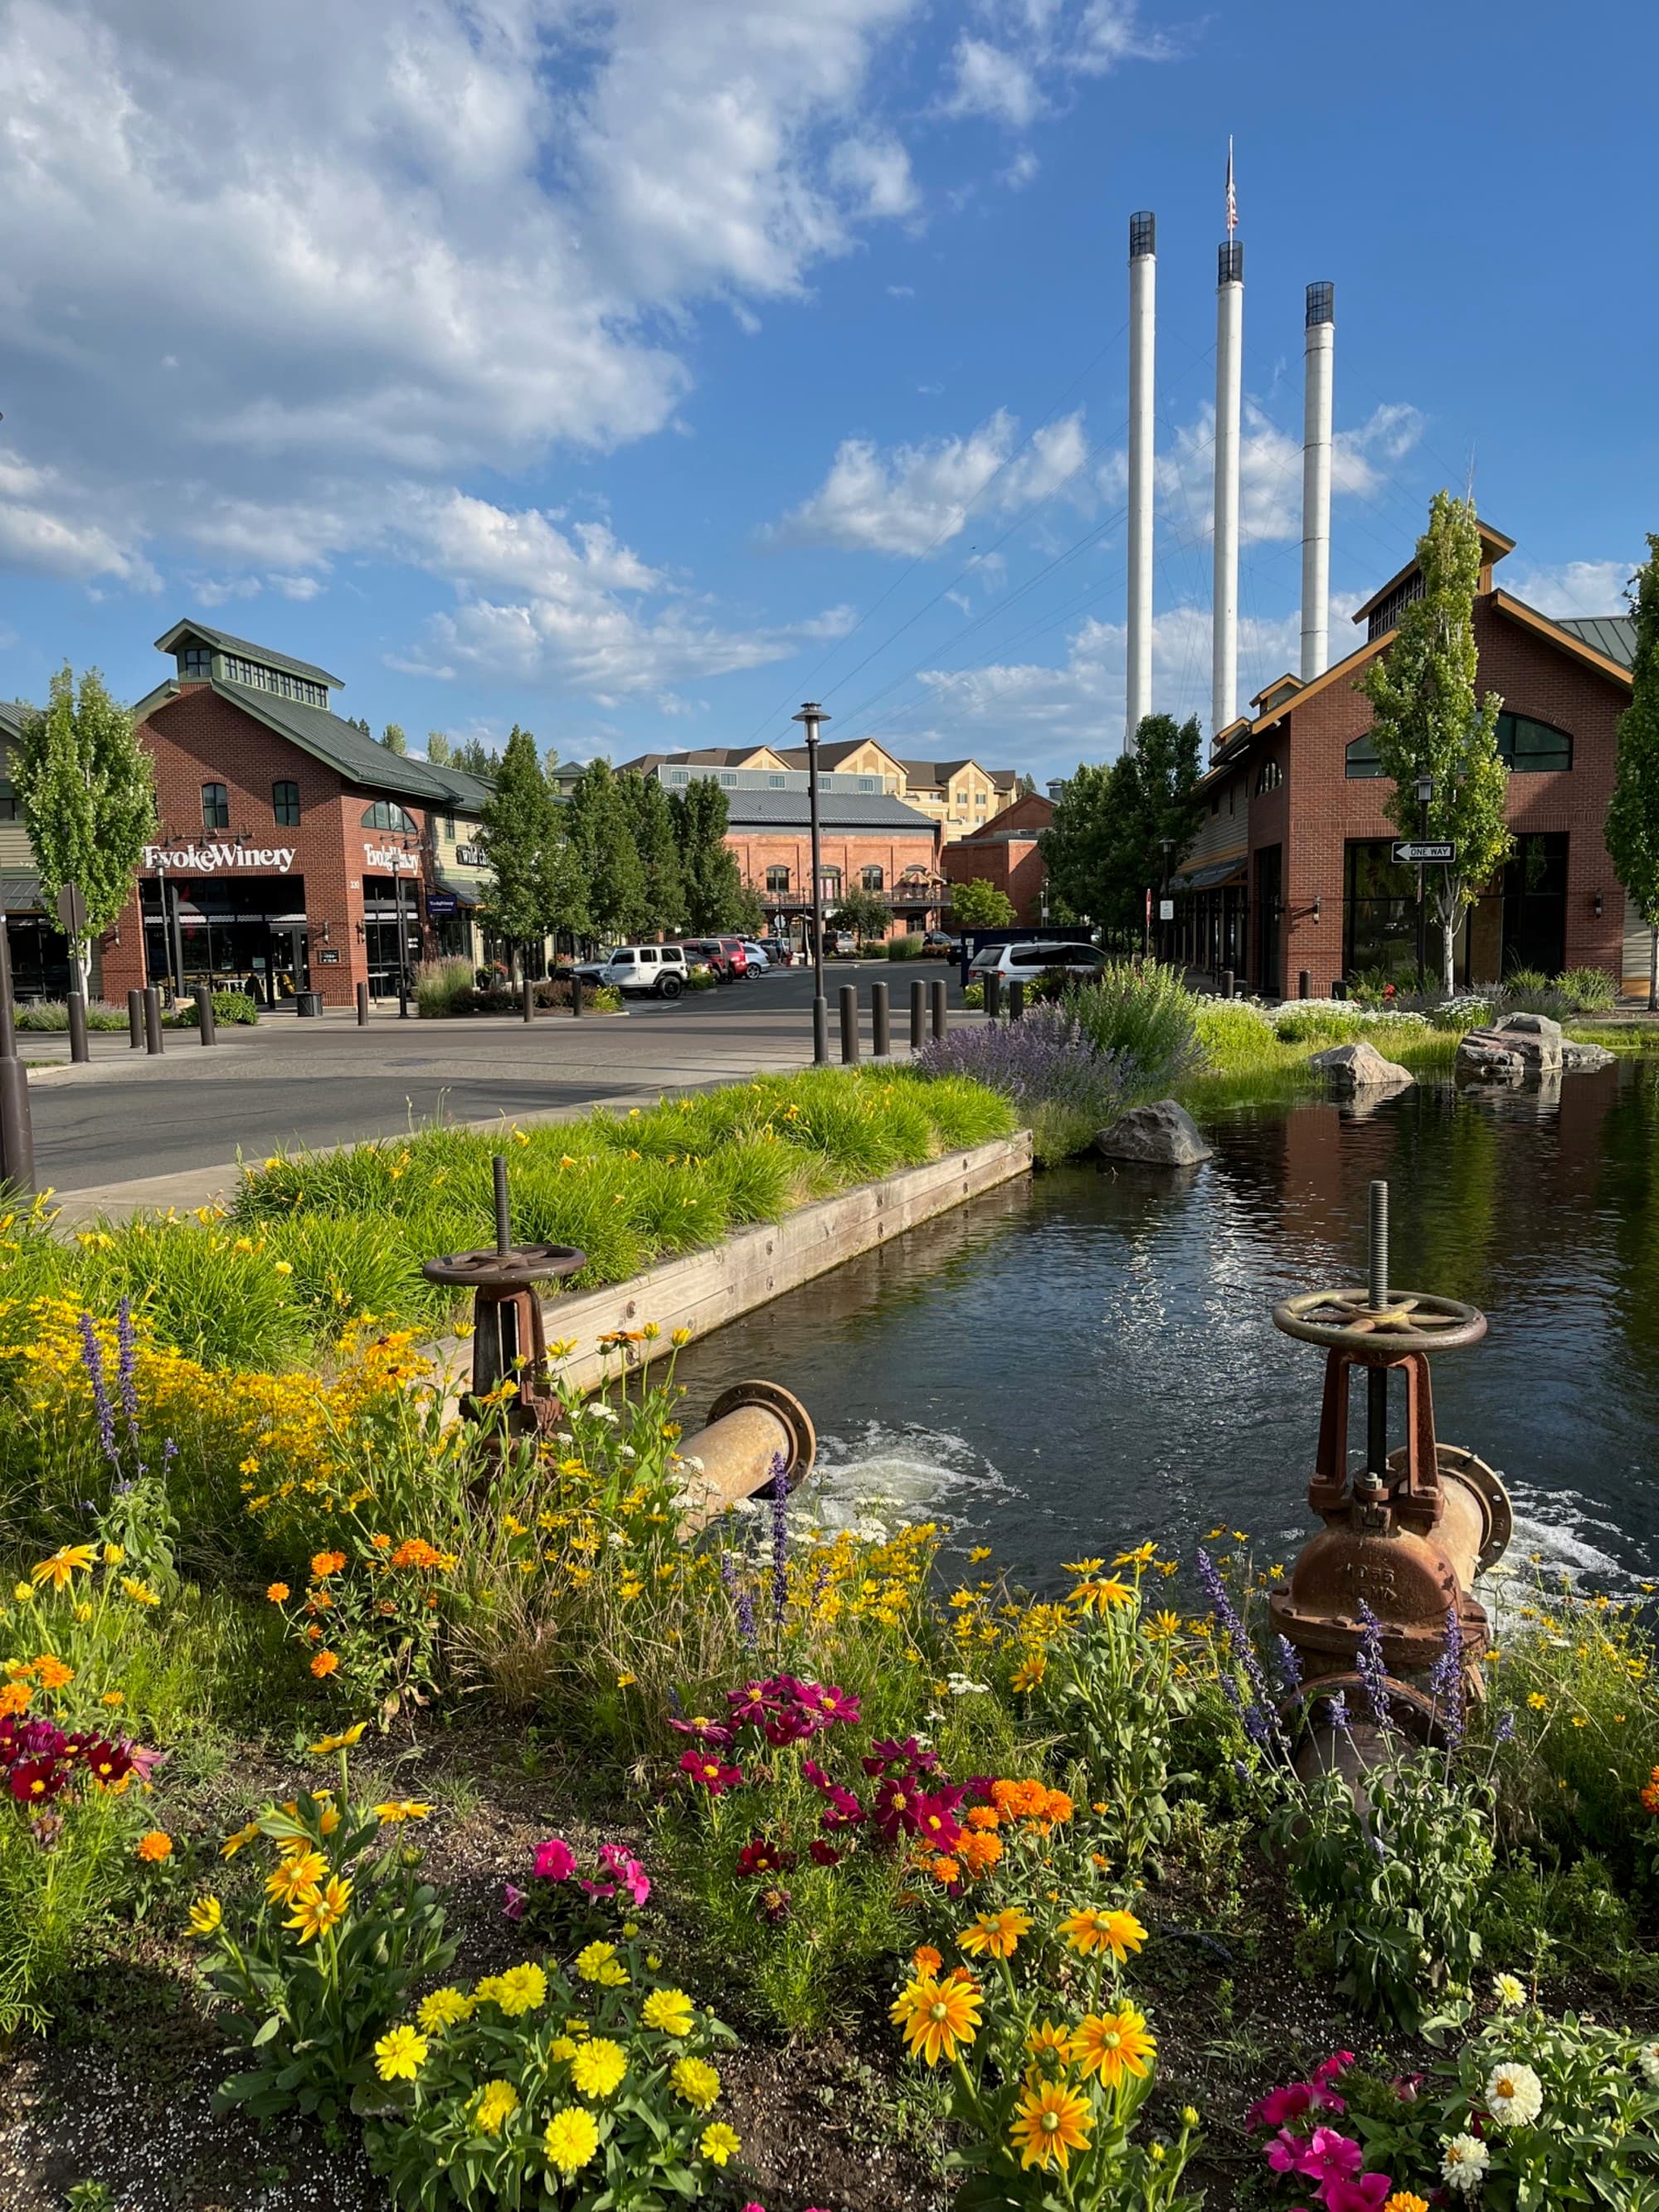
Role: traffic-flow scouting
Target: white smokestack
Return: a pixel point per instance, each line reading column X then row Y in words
column 1229, row 395
column 1143, row 324
column 1318, row 362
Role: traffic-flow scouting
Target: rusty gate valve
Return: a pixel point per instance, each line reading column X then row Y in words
column 509, row 1338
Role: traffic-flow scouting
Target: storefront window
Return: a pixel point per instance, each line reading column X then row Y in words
column 285, row 805
column 386, row 815
column 1379, row 915
column 215, row 806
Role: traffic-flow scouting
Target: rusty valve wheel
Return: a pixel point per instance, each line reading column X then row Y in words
column 512, row 1269
column 1408, row 1321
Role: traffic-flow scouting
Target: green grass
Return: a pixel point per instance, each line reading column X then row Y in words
column 1248, row 1063
column 315, row 1243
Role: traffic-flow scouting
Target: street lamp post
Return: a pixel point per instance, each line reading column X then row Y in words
column 1425, row 793
column 811, row 715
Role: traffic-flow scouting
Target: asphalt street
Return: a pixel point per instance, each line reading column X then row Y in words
column 128, row 1118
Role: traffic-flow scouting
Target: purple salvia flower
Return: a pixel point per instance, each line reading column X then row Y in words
column 1046, row 1059
column 1290, row 1666
column 126, row 1338
column 818, row 1582
column 1446, row 1681
column 737, row 1591
column 779, row 1538
column 1506, row 1728
column 1260, row 1718
column 1368, row 1662
column 1336, row 1710
column 92, row 1358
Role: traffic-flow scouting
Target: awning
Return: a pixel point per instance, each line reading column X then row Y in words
column 465, row 890
column 20, row 894
column 1211, row 877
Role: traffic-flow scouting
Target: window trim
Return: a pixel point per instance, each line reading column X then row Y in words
column 280, row 813
column 220, row 806
column 403, row 825
column 1371, row 769
column 1533, row 767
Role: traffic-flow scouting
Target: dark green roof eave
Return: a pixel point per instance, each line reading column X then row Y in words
column 222, row 642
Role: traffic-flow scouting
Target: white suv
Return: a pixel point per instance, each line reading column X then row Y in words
column 1079, row 962
column 657, row 968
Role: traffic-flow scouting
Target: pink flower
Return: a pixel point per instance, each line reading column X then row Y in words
column 625, row 1872
column 512, row 1902
column 1324, row 2074
column 1367, row 2192
column 716, row 1774
column 1284, row 2153
column 1280, row 2105
column 555, row 1860
column 1328, row 2156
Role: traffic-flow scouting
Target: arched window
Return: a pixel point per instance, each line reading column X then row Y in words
column 1270, row 776
column 384, row 814
column 872, row 879
column 1530, row 748
column 1361, row 758
column 830, row 880
column 777, row 880
column 215, row 806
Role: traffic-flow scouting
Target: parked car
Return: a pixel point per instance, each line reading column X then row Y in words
column 724, row 956
column 1080, row 962
column 778, row 951
column 658, row 968
column 758, row 958
column 841, row 940
column 940, row 944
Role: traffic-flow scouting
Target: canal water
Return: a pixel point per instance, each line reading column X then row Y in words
column 1072, row 1364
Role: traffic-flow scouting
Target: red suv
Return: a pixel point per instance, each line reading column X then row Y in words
column 724, row 956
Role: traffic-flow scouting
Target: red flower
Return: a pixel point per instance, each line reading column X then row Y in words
column 898, row 1806
column 936, row 1819
column 889, row 1752
column 828, row 1703
column 824, row 1854
column 1280, row 2105
column 1367, row 2192
column 37, row 1781
column 751, row 1703
column 759, row 1855
column 705, row 1730
column 710, row 1772
column 790, row 1725
column 774, row 1906
column 843, row 1810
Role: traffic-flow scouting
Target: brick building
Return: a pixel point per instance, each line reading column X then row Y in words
column 293, row 852
column 960, row 795
column 1005, row 854
column 1292, row 871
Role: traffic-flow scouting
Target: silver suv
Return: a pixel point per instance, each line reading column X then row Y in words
column 659, row 968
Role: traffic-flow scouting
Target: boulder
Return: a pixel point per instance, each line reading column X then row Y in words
column 1536, row 1038
column 1350, row 1068
column 1576, row 1058
column 1488, row 1058
column 1161, row 1135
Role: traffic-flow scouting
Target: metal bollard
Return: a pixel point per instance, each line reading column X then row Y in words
column 939, row 1006
column 402, row 995
column 849, row 1024
column 202, row 995
column 575, row 994
column 79, row 1049
column 820, row 1032
column 136, row 1020
column 16, row 1134
column 917, row 1013
column 527, row 992
column 1226, row 982
column 363, row 1005
column 993, row 994
column 152, row 1020
column 1016, row 999
column 1304, row 983
column 881, row 1040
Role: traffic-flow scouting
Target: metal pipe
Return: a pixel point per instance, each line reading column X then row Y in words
column 752, row 1429
column 992, row 993
column 917, row 1013
column 1377, row 1378
column 80, row 1051
column 1016, row 999
column 811, row 715
column 849, row 1024
column 881, row 1040
column 363, row 1005
column 575, row 995
column 1319, row 355
column 153, row 1042
column 1229, row 400
column 527, row 991
column 1143, row 326
column 503, row 1219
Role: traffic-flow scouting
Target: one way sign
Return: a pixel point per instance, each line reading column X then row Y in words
column 1420, row 853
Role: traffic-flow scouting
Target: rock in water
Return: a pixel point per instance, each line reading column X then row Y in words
column 1349, row 1068
column 1489, row 1058
column 1534, row 1036
column 1161, row 1135
column 1576, row 1058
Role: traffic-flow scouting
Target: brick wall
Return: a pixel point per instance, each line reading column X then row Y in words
column 851, row 851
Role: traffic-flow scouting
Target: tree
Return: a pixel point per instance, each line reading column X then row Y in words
column 1632, row 830
column 866, row 913
column 603, row 834
column 87, row 789
column 714, row 898
column 978, row 904
column 1025, row 785
column 1119, row 831
column 534, row 889
column 1426, row 722
column 652, row 820
column 438, row 750
column 476, row 757
column 393, row 739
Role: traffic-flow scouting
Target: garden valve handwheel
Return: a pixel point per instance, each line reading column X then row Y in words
column 1407, row 1321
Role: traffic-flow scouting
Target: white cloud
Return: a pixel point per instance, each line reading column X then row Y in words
column 1270, row 470
column 1021, row 171
column 1572, row 587
column 1034, row 50
column 989, row 81
column 909, row 499
column 47, row 528
column 900, row 291
column 876, row 174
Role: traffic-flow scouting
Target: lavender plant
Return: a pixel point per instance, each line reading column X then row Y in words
column 1063, row 1084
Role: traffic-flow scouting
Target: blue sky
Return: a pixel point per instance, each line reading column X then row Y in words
column 634, row 371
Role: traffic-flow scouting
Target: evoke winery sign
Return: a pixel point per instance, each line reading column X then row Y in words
column 208, row 860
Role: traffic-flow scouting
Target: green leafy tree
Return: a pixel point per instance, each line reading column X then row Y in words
column 1632, row 830
column 393, row 739
column 978, row 904
column 602, row 831
column 652, row 819
column 535, row 889
column 866, row 913
column 438, row 750
column 1427, row 722
column 87, row 789
column 359, row 722
column 1119, row 830
column 714, row 897
column 475, row 757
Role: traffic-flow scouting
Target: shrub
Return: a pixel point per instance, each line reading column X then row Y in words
column 1320, row 1025
column 441, row 985
column 1048, row 1064
column 1592, row 990
column 51, row 1015
column 1143, row 1014
column 974, row 995
column 909, row 947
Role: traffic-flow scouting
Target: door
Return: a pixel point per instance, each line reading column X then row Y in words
column 290, row 962
column 1269, row 907
column 1536, row 903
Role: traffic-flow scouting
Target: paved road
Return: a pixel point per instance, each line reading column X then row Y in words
column 128, row 1118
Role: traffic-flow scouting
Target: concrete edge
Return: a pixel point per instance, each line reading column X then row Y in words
column 702, row 1290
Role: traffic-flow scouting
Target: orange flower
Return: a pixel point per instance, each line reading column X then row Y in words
column 323, row 1663
column 382, row 1543
column 155, row 1847
column 979, row 1853
column 983, row 1816
column 326, row 1564
column 277, row 1592
column 925, row 1959
column 14, row 1697
column 51, row 1673
column 944, row 1870
column 1059, row 1806
column 415, row 1551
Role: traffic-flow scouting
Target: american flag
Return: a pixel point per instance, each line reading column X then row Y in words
column 1232, row 196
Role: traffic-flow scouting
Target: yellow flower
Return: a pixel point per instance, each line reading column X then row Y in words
column 570, row 2138
column 403, row 1808
column 1051, row 2121
column 1050, row 2041
column 590, row 1962
column 233, row 1843
column 60, row 1569
column 497, row 2102
column 1031, row 1671
column 303, row 1870
column 1537, row 1700
column 283, row 1268
column 696, row 2081
column 1113, row 2045
column 598, row 2068
column 520, row 1989
column 139, row 1593
column 398, row 2054
column 1142, row 1556
column 341, row 1743
column 997, row 1933
column 1102, row 1597
column 1089, row 1931
column 936, row 2016
column 316, row 1911
column 669, row 2011
column 442, row 2009
column 719, row 2142
column 205, row 1915
column 113, row 1555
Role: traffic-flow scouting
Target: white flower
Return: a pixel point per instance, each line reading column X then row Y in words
column 1463, row 2160
column 564, row 1437
column 599, row 1412
column 1515, row 2095
column 1508, row 1989
column 691, row 1460
column 625, row 1452
column 1647, row 2058
column 960, row 1686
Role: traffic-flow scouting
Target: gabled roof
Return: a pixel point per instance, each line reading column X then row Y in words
column 703, row 756
column 1286, row 683
column 12, row 712
column 1565, row 636
column 1493, row 546
column 338, row 745
column 830, row 755
column 222, row 642
column 1612, row 635
column 862, row 810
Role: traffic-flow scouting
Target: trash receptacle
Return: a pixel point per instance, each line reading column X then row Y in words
column 307, row 1002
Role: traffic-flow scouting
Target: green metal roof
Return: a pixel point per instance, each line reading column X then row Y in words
column 222, row 642
column 1612, row 634
column 12, row 712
